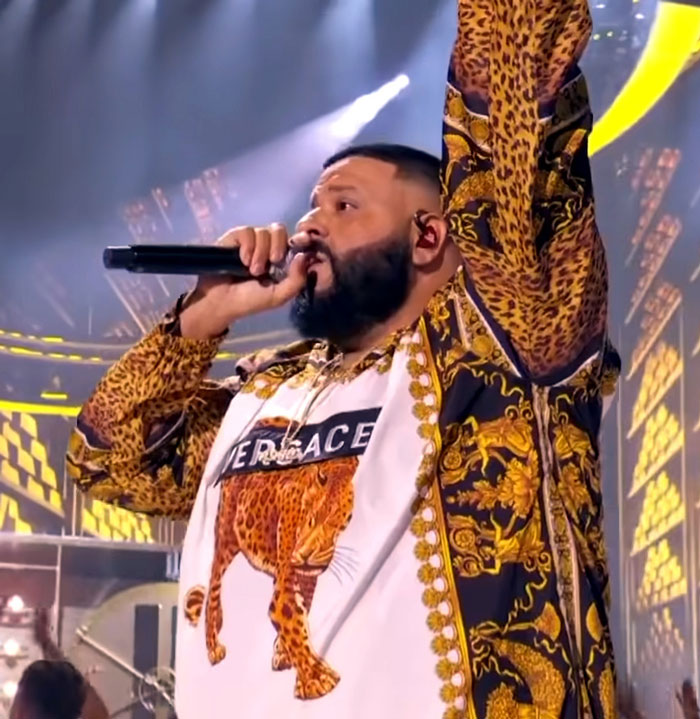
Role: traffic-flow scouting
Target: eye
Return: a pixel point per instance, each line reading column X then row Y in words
column 344, row 206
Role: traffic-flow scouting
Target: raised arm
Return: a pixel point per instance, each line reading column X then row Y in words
column 143, row 437
column 516, row 178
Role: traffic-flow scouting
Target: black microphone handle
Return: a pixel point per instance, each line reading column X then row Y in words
column 183, row 260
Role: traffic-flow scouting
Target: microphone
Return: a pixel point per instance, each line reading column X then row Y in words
column 185, row 260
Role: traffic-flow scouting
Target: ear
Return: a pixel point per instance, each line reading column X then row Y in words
column 428, row 238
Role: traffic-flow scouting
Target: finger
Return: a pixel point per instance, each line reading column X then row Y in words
column 279, row 242
column 230, row 237
column 293, row 283
column 300, row 240
column 261, row 252
column 244, row 238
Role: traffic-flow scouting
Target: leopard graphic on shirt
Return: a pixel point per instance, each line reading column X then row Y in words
column 286, row 522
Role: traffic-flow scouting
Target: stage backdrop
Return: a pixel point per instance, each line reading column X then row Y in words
column 157, row 122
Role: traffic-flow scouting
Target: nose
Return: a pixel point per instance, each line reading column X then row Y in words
column 309, row 229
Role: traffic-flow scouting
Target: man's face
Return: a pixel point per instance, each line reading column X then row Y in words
column 359, row 237
column 356, row 204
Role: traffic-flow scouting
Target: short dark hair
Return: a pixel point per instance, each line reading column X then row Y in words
column 410, row 162
column 53, row 690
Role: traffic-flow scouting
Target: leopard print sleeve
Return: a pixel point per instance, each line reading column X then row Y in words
column 516, row 179
column 143, row 437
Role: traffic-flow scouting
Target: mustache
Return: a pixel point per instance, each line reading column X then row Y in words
column 314, row 247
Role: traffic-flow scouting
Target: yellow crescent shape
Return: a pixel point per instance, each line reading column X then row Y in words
column 672, row 41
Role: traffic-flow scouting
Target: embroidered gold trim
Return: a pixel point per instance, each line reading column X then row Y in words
column 440, row 594
column 559, row 528
column 379, row 359
column 265, row 384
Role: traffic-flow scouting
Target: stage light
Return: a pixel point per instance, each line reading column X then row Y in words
column 640, row 16
column 297, row 157
column 9, row 689
column 11, row 648
column 16, row 23
column 350, row 54
column 361, row 112
column 15, row 604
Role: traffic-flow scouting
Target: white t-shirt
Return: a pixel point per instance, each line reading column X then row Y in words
column 367, row 617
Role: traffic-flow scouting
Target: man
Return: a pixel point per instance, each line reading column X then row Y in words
column 92, row 707
column 49, row 690
column 403, row 518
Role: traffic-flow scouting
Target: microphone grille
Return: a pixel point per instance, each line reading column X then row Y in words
column 117, row 258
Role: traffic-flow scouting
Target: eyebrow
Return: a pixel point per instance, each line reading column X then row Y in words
column 335, row 189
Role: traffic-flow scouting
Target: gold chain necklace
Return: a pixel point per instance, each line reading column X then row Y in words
column 290, row 450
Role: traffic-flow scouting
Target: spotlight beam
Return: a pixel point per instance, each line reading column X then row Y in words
column 297, row 157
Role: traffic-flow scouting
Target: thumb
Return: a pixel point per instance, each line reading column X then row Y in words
column 293, row 283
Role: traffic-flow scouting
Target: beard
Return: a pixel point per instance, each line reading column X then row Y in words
column 370, row 284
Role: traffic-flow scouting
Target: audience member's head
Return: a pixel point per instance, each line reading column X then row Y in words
column 49, row 690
